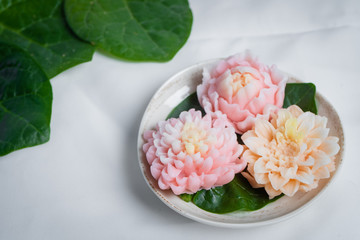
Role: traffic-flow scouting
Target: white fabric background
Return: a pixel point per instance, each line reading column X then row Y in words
column 86, row 183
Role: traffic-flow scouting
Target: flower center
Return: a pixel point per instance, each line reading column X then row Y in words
column 284, row 148
column 194, row 139
column 240, row 80
column 286, row 144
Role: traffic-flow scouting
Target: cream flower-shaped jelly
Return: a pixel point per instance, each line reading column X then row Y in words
column 192, row 152
column 289, row 154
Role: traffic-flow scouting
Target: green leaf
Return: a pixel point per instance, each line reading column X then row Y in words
column 301, row 94
column 25, row 101
column 39, row 28
column 135, row 30
column 190, row 102
column 234, row 196
column 186, row 197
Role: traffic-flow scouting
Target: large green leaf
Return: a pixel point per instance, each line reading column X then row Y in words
column 25, row 101
column 39, row 27
column 301, row 94
column 234, row 196
column 138, row 30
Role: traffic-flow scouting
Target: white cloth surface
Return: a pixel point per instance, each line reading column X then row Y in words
column 86, row 183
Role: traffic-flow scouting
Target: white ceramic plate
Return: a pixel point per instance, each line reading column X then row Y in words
column 170, row 94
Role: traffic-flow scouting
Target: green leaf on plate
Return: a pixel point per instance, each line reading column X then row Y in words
column 25, row 101
column 234, row 196
column 301, row 94
column 190, row 102
column 186, row 197
column 132, row 29
column 39, row 28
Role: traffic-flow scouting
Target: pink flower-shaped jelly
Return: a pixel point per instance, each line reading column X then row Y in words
column 242, row 88
column 192, row 152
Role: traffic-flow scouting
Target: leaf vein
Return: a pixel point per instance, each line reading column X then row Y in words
column 22, row 118
column 144, row 30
